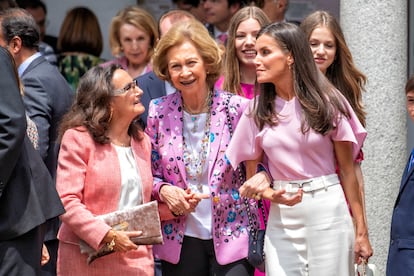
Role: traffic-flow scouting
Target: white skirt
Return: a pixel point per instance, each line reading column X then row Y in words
column 314, row 237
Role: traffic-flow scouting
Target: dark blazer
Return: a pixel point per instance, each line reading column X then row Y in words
column 153, row 87
column 401, row 251
column 47, row 97
column 28, row 197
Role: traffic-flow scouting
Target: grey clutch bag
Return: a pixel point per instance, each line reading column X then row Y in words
column 144, row 217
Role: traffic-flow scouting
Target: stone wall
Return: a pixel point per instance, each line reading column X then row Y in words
column 376, row 31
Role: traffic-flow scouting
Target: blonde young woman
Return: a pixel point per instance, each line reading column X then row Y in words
column 239, row 72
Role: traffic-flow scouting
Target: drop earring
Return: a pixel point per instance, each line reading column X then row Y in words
column 110, row 116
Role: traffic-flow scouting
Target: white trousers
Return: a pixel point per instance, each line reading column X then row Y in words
column 312, row 238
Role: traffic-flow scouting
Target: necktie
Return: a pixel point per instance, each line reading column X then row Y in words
column 223, row 38
column 411, row 162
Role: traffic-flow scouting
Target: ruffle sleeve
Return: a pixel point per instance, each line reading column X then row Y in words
column 246, row 140
column 350, row 129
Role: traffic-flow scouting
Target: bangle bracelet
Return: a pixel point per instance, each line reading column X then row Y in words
column 111, row 244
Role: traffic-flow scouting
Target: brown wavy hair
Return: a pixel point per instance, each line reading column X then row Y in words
column 342, row 73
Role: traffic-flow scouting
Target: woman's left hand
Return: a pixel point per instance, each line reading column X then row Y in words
column 363, row 249
column 175, row 198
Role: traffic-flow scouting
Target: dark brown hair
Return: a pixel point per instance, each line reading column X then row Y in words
column 318, row 98
column 80, row 32
column 91, row 107
column 410, row 85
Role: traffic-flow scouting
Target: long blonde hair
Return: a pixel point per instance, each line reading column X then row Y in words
column 232, row 72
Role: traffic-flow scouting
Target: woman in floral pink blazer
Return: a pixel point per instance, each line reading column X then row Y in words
column 189, row 133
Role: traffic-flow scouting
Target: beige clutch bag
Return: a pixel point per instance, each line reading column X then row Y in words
column 144, row 217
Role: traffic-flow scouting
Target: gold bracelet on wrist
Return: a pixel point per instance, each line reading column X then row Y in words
column 111, row 244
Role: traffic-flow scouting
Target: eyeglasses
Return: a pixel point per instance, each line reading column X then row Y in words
column 126, row 88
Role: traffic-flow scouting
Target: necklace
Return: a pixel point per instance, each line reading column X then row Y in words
column 117, row 143
column 194, row 160
column 193, row 114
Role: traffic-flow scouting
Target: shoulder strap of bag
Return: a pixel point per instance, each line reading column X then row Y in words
column 241, row 175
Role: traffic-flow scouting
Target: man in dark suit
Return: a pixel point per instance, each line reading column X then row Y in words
column 153, row 86
column 47, row 95
column 28, row 198
column 401, row 250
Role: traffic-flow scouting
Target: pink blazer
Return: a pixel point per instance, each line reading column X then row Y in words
column 89, row 182
column 165, row 124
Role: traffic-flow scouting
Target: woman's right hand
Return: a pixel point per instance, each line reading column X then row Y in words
column 255, row 186
column 281, row 197
column 180, row 201
column 120, row 241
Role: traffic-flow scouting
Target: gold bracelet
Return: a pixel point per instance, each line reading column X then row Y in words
column 111, row 244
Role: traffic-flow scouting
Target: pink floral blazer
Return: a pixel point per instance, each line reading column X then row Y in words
column 165, row 125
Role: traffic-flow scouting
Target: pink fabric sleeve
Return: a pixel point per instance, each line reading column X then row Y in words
column 70, row 184
column 244, row 144
column 350, row 129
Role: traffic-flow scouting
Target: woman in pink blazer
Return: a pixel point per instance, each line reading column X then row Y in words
column 189, row 132
column 104, row 166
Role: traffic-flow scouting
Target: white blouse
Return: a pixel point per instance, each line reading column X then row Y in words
column 131, row 182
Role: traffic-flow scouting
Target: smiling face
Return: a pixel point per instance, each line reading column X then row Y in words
column 323, row 46
column 126, row 102
column 272, row 62
column 245, row 41
column 135, row 43
column 187, row 68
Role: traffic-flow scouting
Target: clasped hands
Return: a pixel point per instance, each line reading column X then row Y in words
column 258, row 187
column 179, row 201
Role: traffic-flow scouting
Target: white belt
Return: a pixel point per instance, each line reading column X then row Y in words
column 307, row 185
